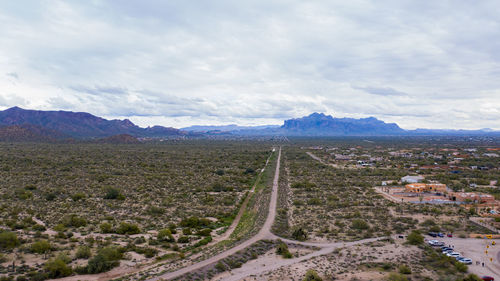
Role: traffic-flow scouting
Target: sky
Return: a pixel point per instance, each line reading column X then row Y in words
column 420, row 64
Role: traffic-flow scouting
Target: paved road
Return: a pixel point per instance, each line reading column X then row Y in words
column 264, row 233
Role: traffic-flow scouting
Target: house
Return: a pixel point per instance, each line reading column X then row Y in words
column 412, row 179
column 426, row 187
column 472, row 197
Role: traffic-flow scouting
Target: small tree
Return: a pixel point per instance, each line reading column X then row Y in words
column 113, row 193
column 359, row 224
column 83, row 252
column 415, row 238
column 299, row 234
column 8, row 240
column 128, row 228
column 41, row 247
column 165, row 235
column 404, row 269
column 282, row 250
column 57, row 268
column 106, row 227
column 312, row 275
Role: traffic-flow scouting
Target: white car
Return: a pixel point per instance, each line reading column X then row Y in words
column 453, row 254
column 465, row 260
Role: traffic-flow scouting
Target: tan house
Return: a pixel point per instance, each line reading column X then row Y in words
column 426, row 187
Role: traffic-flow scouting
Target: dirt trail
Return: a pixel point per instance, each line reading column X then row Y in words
column 243, row 207
column 264, row 233
column 328, row 248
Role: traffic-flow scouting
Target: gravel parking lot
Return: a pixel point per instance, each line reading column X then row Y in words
column 474, row 248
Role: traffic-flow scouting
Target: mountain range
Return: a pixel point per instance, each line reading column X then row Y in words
column 17, row 124
column 67, row 124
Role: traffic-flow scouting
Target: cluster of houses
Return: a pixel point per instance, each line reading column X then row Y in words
column 414, row 186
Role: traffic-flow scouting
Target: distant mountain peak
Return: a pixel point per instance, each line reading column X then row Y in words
column 319, row 124
column 319, row 115
column 14, row 108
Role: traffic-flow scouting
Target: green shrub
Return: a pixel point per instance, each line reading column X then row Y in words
column 83, row 252
column 299, row 234
column 165, row 235
column 219, row 187
column 461, row 267
column 434, row 228
column 472, row 277
column 78, row 196
column 106, row 259
column 415, row 238
column 282, row 249
column 183, row 239
column 203, row 241
column 113, row 193
column 195, row 222
column 312, row 275
column 204, row 232
column 359, row 224
column 128, row 228
column 106, row 227
column 50, row 196
column 156, row 211
column 57, row 268
column 8, row 240
column 40, row 247
column 404, row 269
column 396, row 277
column 38, row 227
column 74, row 221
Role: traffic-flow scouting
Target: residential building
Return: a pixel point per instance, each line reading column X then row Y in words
column 412, row 179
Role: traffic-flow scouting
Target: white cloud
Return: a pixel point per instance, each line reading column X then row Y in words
column 420, row 64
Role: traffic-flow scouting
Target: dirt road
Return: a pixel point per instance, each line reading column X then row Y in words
column 321, row 160
column 264, row 233
column 240, row 273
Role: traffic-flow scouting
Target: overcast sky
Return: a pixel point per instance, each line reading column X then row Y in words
column 426, row 64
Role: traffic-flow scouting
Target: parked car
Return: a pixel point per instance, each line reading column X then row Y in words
column 440, row 234
column 438, row 244
column 453, row 254
column 449, row 235
column 487, row 278
column 401, row 236
column 433, row 234
column 432, row 242
column 447, row 251
column 465, row 260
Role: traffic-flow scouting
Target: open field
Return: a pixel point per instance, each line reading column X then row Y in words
column 149, row 200
column 223, row 210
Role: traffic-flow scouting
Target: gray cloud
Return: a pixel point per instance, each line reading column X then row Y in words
column 384, row 91
column 255, row 61
column 13, row 75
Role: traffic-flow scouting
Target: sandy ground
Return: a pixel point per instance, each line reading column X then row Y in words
column 474, row 248
column 341, row 263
